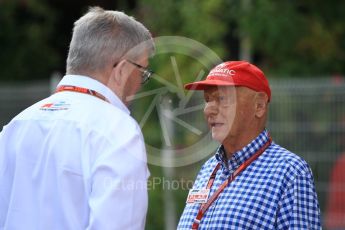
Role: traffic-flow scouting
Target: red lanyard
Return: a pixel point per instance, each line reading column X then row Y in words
column 242, row 167
column 80, row 90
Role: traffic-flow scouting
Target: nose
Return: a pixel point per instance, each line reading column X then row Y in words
column 211, row 108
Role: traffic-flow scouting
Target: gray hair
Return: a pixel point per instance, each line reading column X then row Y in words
column 101, row 38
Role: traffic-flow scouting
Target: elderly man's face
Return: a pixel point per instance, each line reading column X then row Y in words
column 229, row 111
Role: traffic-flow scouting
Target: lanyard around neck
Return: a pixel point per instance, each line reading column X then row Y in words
column 80, row 90
column 241, row 168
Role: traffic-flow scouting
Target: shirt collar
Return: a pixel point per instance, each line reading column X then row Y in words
column 89, row 83
column 244, row 154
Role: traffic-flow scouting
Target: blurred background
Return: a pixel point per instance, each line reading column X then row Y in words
column 300, row 45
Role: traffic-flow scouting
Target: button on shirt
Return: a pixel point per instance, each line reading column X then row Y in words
column 276, row 191
column 73, row 161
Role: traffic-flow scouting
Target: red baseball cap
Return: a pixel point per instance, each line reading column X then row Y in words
column 234, row 73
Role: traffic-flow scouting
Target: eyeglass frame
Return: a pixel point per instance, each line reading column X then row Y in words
column 145, row 72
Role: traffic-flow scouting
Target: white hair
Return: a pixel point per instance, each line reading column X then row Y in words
column 101, row 38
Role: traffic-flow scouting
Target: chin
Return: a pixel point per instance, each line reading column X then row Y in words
column 220, row 134
column 218, row 138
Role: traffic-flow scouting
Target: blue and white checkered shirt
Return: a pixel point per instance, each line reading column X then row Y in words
column 276, row 191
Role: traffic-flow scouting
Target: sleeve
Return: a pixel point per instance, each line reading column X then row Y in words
column 118, row 197
column 299, row 208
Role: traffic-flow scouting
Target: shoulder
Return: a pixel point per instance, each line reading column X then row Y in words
column 283, row 159
column 99, row 116
column 83, row 113
column 116, row 126
column 116, row 117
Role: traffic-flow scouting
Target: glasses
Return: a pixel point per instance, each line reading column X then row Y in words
column 145, row 73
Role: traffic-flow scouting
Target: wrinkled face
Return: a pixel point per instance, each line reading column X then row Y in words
column 229, row 111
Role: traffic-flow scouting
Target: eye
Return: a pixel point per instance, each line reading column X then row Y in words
column 206, row 98
column 221, row 98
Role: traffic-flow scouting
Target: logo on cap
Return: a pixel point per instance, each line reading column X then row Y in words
column 222, row 71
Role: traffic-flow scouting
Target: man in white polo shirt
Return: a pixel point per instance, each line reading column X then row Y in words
column 77, row 159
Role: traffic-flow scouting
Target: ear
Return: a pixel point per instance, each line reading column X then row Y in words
column 118, row 73
column 261, row 103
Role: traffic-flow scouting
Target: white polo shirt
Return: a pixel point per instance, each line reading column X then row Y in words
column 73, row 161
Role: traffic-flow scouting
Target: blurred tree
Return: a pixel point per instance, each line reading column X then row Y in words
column 288, row 37
column 295, row 38
column 35, row 34
column 197, row 20
column 68, row 12
column 25, row 40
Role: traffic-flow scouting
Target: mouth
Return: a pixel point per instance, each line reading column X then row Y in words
column 215, row 124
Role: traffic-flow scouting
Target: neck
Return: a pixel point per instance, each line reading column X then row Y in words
column 237, row 142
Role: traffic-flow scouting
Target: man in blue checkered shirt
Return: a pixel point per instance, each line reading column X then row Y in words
column 250, row 182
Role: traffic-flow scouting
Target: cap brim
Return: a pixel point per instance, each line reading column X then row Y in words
column 202, row 85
